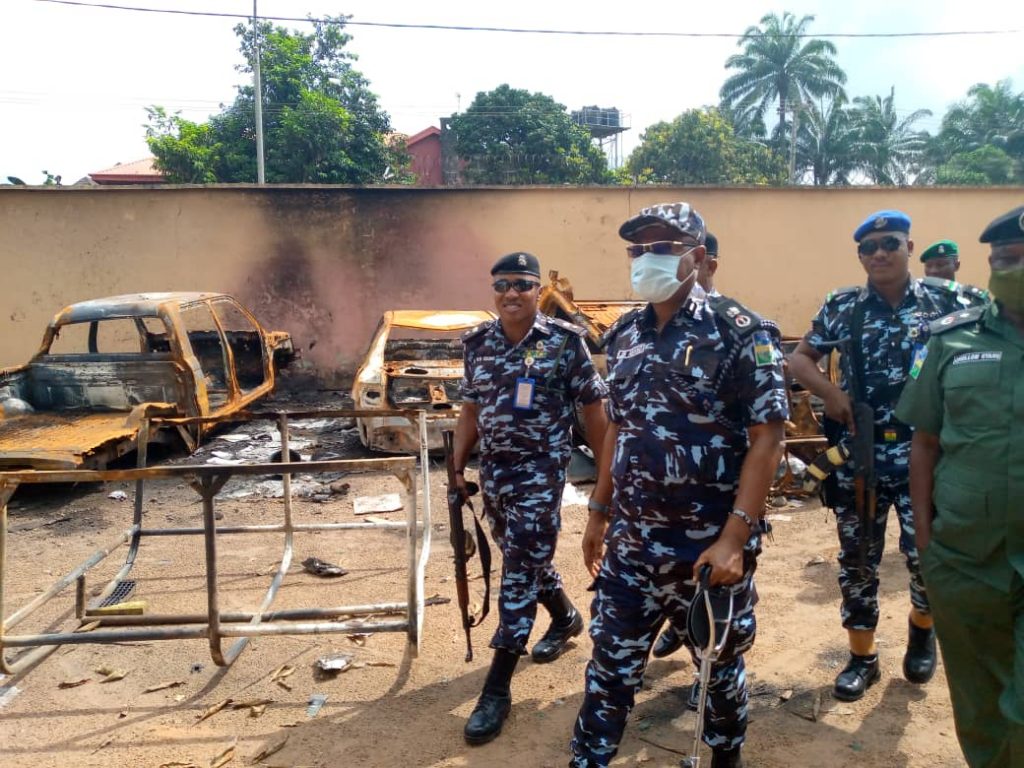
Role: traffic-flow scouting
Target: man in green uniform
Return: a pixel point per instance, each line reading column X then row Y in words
column 965, row 399
column 941, row 259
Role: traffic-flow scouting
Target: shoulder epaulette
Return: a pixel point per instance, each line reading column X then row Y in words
column 980, row 294
column 738, row 317
column 952, row 286
column 957, row 319
column 476, row 332
column 619, row 324
column 841, row 292
column 565, row 325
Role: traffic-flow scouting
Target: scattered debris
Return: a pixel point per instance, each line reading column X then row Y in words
column 816, row 560
column 779, row 518
column 105, row 743
column 74, row 683
column 316, row 701
column 164, row 686
column 571, row 497
column 110, row 675
column 266, row 752
column 7, row 694
column 366, row 505
column 178, row 764
column 359, row 638
column 225, row 756
column 88, row 627
column 334, row 664
column 211, row 711
column 786, row 695
column 128, row 608
column 118, row 496
column 322, row 568
column 279, row 674
column 31, row 525
column 196, row 668
column 339, row 488
column 810, row 705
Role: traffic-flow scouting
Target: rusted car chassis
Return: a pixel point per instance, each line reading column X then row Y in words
column 105, row 365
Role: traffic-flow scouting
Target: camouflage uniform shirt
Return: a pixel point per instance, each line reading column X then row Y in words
column 890, row 340
column 555, row 356
column 682, row 400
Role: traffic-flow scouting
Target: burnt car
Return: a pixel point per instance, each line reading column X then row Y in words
column 105, row 364
column 414, row 362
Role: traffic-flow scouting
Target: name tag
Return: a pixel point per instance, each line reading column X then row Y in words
column 977, row 357
column 636, row 349
column 522, row 399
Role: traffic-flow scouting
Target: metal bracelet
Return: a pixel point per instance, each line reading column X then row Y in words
column 744, row 517
column 596, row 506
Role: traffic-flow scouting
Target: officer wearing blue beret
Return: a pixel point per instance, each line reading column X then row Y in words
column 886, row 324
column 524, row 375
column 964, row 402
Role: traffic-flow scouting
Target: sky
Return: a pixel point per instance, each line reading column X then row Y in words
column 75, row 81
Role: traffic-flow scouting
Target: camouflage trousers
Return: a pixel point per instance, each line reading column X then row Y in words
column 859, row 586
column 524, row 520
column 633, row 600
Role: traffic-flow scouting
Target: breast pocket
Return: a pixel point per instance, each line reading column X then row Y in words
column 694, row 380
column 961, row 521
column 624, row 381
column 973, row 395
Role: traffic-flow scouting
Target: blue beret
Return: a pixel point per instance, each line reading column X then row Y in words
column 883, row 221
column 519, row 262
column 1007, row 228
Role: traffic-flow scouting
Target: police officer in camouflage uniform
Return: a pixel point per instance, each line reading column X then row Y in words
column 965, row 400
column 697, row 404
column 887, row 321
column 524, row 375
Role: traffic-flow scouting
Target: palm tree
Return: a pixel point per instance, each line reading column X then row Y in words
column 888, row 147
column 826, row 142
column 778, row 64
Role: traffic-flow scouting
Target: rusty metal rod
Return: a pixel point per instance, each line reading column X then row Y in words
column 321, row 628
column 288, row 614
column 388, row 525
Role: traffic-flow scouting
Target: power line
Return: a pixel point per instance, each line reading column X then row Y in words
column 528, row 31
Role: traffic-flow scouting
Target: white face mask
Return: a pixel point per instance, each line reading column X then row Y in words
column 654, row 277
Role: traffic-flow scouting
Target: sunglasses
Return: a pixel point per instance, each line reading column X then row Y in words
column 659, row 248
column 519, row 286
column 889, row 244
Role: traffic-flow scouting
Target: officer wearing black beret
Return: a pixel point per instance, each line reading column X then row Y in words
column 525, row 375
column 964, row 402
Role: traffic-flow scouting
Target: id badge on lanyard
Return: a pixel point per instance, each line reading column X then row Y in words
column 526, row 386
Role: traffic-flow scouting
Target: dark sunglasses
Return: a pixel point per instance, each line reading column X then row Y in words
column 889, row 244
column 659, row 248
column 519, row 286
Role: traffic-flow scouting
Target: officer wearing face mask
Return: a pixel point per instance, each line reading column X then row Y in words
column 887, row 321
column 697, row 404
column 966, row 483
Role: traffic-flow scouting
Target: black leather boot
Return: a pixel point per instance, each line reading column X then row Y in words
column 495, row 702
column 860, row 673
column 566, row 623
column 693, row 699
column 726, row 758
column 919, row 660
column 669, row 642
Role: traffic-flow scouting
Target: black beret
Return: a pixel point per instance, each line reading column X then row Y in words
column 519, row 262
column 711, row 245
column 1007, row 228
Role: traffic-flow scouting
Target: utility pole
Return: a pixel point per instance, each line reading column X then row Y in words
column 260, row 175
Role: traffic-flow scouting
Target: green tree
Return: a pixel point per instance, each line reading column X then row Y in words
column 700, row 147
column 512, row 136
column 889, row 149
column 990, row 117
column 826, row 142
column 780, row 65
column 983, row 166
column 321, row 122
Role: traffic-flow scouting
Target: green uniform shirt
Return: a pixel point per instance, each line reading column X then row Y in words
column 968, row 388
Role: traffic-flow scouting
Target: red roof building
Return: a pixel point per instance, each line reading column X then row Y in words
column 140, row 172
column 424, row 150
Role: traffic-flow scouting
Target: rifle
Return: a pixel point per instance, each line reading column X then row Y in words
column 859, row 447
column 462, row 544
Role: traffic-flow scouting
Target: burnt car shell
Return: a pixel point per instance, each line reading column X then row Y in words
column 105, row 364
column 414, row 362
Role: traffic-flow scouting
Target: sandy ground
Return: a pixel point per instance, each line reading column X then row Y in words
column 391, row 710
